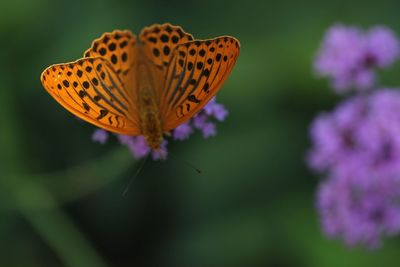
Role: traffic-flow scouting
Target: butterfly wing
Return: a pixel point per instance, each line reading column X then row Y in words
column 196, row 71
column 160, row 40
column 116, row 47
column 97, row 88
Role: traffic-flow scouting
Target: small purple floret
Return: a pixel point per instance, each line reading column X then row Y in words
column 100, row 136
column 182, row 132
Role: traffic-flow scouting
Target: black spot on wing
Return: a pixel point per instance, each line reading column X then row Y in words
column 156, row 52
column 86, row 84
column 164, row 38
column 166, row 50
column 124, row 57
column 82, row 93
column 193, row 98
column 112, row 46
column 86, row 106
column 114, row 59
column 103, row 51
column 103, row 113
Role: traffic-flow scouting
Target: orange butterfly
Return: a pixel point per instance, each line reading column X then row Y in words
column 143, row 88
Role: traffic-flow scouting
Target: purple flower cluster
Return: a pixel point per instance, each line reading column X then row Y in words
column 362, row 133
column 357, row 212
column 357, row 146
column 203, row 121
column 349, row 56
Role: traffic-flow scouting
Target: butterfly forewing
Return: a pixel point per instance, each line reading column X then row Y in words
column 196, row 71
column 91, row 89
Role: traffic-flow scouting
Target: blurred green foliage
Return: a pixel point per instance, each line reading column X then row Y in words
column 60, row 194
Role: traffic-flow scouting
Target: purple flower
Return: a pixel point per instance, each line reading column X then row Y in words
column 382, row 46
column 162, row 153
column 349, row 56
column 216, row 110
column 139, row 148
column 202, row 121
column 360, row 213
column 209, row 130
column 100, row 136
column 363, row 132
column 182, row 132
column 358, row 147
column 136, row 144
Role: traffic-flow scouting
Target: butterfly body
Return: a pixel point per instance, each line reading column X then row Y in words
column 143, row 87
column 150, row 121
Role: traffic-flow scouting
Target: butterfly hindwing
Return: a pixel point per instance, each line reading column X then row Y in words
column 160, row 40
column 196, row 71
column 116, row 47
column 91, row 89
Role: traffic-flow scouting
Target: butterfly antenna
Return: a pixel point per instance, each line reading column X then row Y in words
column 127, row 187
column 186, row 162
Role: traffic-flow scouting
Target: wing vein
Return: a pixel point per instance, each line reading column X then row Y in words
column 182, row 75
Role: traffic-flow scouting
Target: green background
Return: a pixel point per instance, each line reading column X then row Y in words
column 60, row 193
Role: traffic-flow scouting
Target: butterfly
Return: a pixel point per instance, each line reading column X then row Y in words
column 146, row 86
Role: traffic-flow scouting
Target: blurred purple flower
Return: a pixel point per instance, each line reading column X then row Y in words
column 361, row 133
column 202, row 121
column 162, row 153
column 382, row 46
column 358, row 147
column 136, row 145
column 218, row 111
column 182, row 132
column 360, row 213
column 100, row 136
column 349, row 56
